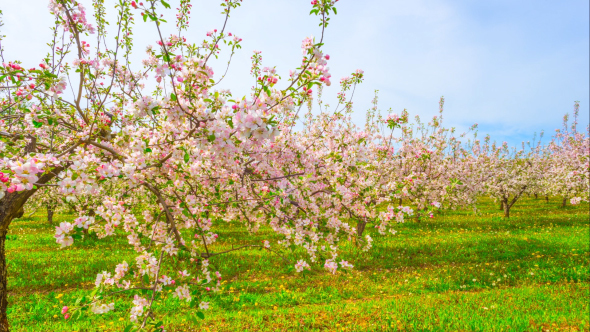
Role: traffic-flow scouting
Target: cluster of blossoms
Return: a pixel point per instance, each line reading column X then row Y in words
column 21, row 174
column 393, row 120
column 76, row 16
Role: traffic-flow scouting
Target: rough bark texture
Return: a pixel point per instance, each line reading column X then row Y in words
column 547, row 199
column 3, row 290
column 564, row 202
column 32, row 145
column 11, row 206
column 501, row 205
column 360, row 227
column 536, row 196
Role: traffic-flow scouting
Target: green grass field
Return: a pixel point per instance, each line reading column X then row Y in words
column 456, row 272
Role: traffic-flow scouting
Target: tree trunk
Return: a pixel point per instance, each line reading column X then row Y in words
column 564, row 202
column 547, row 199
column 20, row 213
column 536, row 196
column 506, row 208
column 501, row 205
column 360, row 227
column 3, row 290
column 11, row 205
column 50, row 210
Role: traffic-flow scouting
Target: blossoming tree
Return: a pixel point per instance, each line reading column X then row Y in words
column 167, row 139
column 568, row 167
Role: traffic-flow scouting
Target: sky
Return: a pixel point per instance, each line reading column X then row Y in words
column 512, row 67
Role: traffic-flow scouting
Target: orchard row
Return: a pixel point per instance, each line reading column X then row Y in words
column 164, row 156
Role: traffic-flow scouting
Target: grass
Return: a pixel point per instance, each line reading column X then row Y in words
column 456, row 272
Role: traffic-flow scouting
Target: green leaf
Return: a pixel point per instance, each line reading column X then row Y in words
column 165, row 4
column 144, row 17
column 37, row 124
column 128, row 328
column 186, row 157
column 193, row 301
column 173, row 97
column 201, row 315
column 334, row 9
column 147, row 150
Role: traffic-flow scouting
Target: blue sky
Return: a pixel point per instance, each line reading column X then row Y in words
column 513, row 67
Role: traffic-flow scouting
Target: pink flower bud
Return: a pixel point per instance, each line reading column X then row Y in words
column 64, row 310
